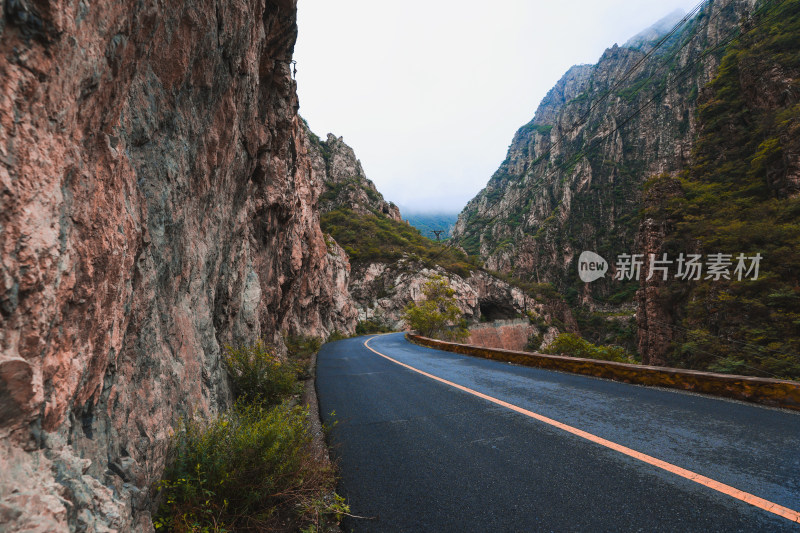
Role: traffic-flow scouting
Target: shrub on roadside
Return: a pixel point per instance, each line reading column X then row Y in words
column 438, row 315
column 372, row 325
column 254, row 467
column 336, row 335
column 574, row 346
column 246, row 470
column 259, row 376
column 456, row 333
column 299, row 350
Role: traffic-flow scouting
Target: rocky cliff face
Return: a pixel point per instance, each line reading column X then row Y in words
column 345, row 185
column 156, row 203
column 738, row 198
column 657, row 314
column 572, row 178
column 382, row 291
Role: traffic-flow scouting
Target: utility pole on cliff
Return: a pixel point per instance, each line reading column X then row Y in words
column 437, row 232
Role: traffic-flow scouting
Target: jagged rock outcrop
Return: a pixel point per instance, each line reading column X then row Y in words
column 382, row 291
column 572, row 178
column 156, row 204
column 335, row 165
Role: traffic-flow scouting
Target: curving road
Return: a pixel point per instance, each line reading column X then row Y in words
column 418, row 454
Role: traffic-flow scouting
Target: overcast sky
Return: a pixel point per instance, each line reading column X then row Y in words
column 430, row 92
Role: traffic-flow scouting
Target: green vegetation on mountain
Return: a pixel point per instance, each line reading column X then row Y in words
column 334, row 190
column 610, row 327
column 742, row 195
column 374, row 238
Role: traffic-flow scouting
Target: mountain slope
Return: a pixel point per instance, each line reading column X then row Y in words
column 391, row 260
column 572, row 178
column 740, row 195
column 693, row 152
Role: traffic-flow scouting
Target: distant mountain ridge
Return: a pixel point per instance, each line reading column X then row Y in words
column 390, row 259
column 427, row 223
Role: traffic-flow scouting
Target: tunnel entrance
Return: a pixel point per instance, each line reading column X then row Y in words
column 493, row 310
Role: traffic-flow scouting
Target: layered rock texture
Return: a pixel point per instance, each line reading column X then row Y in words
column 677, row 142
column 157, row 203
column 346, row 186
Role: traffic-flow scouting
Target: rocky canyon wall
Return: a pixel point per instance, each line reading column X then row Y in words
column 345, row 184
column 382, row 287
column 156, row 204
column 572, row 179
column 575, row 176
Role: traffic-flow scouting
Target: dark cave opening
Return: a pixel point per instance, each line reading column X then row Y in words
column 493, row 310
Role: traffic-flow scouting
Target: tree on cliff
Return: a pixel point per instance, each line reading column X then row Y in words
column 438, row 315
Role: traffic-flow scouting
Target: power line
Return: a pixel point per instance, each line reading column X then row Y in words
column 724, row 42
column 730, row 36
column 658, row 45
column 584, row 118
column 608, row 92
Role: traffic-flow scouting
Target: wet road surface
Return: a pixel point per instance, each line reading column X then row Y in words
column 420, row 455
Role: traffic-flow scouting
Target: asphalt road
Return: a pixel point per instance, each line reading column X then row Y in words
column 419, row 455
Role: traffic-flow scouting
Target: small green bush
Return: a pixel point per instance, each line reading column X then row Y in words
column 259, row 376
column 300, row 349
column 254, row 467
column 437, row 316
column 456, row 333
column 574, row 346
column 534, row 342
column 336, row 335
column 249, row 469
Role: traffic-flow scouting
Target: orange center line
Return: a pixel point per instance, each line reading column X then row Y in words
column 669, row 467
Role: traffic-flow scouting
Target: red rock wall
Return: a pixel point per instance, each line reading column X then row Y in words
column 503, row 336
column 155, row 205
